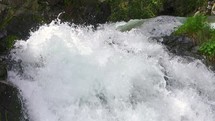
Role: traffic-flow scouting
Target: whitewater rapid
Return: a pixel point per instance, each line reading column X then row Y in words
column 73, row 73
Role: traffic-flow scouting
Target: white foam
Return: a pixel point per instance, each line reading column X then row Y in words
column 79, row 74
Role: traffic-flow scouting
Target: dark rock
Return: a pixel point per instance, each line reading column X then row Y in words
column 3, row 44
column 182, row 7
column 182, row 46
column 10, row 103
column 104, row 13
column 3, row 33
column 88, row 14
column 168, row 8
column 3, row 17
column 21, row 25
column 3, row 71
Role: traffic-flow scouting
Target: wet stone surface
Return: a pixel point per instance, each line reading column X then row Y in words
column 3, row 71
column 10, row 103
column 180, row 45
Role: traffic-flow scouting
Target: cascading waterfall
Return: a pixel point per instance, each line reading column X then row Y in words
column 73, row 73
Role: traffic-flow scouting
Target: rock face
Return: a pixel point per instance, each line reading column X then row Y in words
column 21, row 25
column 184, row 47
column 181, row 46
column 3, row 71
column 10, row 103
column 3, row 45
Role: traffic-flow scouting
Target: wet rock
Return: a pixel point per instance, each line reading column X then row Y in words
column 168, row 8
column 3, row 71
column 21, row 25
column 10, row 103
column 182, row 46
column 87, row 13
column 105, row 12
column 3, row 45
column 3, row 33
column 181, row 7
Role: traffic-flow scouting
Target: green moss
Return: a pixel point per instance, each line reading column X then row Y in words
column 10, row 40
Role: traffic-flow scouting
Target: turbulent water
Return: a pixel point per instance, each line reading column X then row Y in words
column 74, row 73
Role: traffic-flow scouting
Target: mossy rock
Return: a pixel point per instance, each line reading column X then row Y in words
column 6, row 43
column 21, row 25
column 10, row 40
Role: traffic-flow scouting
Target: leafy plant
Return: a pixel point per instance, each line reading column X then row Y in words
column 134, row 9
column 202, row 33
column 197, row 28
column 208, row 48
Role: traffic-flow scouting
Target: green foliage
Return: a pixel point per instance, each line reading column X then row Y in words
column 10, row 40
column 134, row 9
column 185, row 7
column 208, row 48
column 192, row 25
column 197, row 28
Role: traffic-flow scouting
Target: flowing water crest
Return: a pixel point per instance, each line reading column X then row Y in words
column 74, row 73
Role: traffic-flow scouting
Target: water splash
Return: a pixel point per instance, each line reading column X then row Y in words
column 79, row 74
